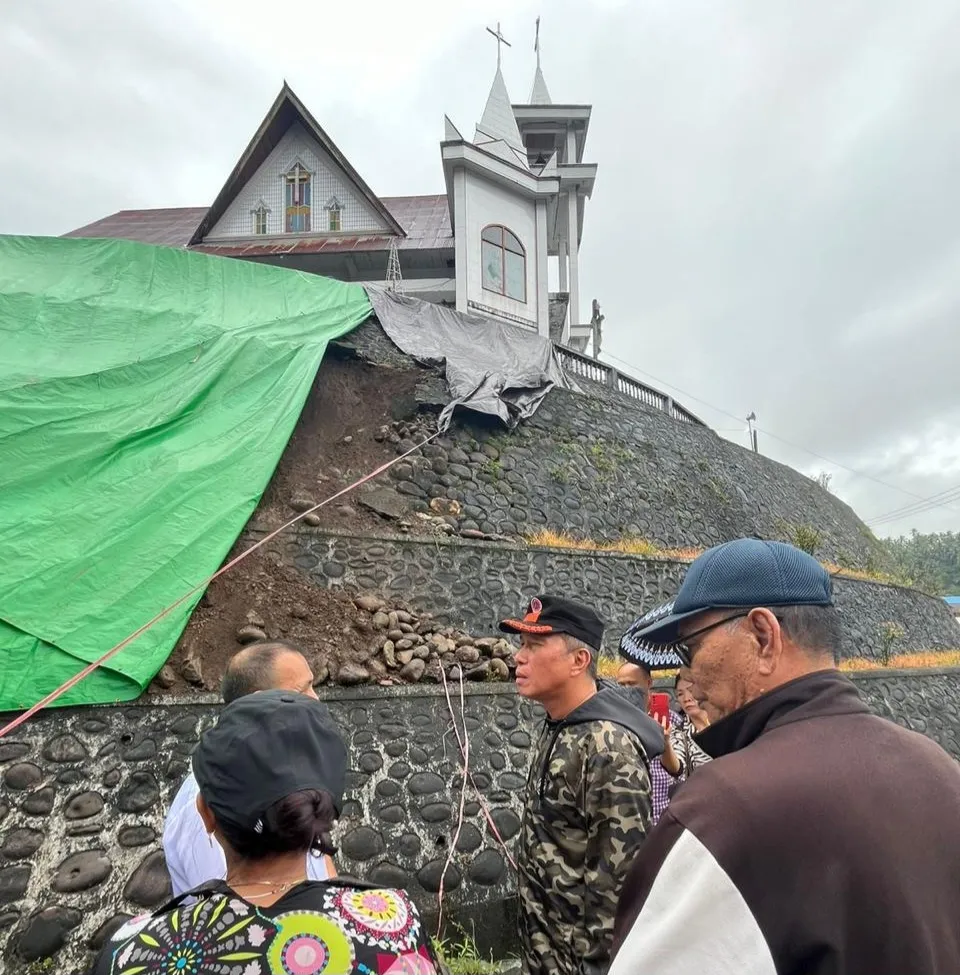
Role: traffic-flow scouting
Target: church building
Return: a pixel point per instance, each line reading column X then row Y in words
column 514, row 200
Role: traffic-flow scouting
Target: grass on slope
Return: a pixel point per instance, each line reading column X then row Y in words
column 641, row 548
column 919, row 660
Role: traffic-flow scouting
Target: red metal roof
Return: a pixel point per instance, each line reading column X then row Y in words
column 426, row 220
column 172, row 227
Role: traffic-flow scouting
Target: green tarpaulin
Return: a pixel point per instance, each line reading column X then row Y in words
column 146, row 395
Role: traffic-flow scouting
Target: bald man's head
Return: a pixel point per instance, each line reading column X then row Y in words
column 633, row 675
column 264, row 666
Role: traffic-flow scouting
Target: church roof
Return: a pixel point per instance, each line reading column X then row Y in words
column 497, row 130
column 285, row 111
column 539, row 94
column 171, row 226
column 420, row 222
column 498, row 121
column 424, row 219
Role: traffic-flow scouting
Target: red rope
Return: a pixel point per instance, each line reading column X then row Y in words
column 465, row 753
column 113, row 651
column 465, row 749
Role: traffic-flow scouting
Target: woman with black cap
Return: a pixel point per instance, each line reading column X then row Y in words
column 271, row 775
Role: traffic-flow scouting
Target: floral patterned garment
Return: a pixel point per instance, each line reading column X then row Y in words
column 318, row 928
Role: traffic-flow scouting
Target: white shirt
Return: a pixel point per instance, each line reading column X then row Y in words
column 194, row 857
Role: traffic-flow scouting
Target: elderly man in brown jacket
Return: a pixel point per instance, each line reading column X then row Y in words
column 823, row 840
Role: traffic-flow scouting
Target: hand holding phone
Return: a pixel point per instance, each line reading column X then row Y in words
column 660, row 707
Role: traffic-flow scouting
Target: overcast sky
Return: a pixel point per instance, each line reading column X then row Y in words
column 776, row 221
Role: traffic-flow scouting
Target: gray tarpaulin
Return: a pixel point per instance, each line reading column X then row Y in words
column 504, row 370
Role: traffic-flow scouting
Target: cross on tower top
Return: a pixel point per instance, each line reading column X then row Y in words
column 500, row 40
column 536, row 42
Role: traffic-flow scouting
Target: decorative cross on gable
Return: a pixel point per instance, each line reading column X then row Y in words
column 500, row 40
column 298, row 177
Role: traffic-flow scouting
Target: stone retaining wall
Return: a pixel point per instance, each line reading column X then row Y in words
column 474, row 584
column 599, row 464
column 928, row 702
column 84, row 791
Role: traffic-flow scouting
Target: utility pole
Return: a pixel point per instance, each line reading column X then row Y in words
column 751, row 432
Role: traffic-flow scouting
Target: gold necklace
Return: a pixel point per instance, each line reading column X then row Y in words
column 259, row 883
column 266, row 893
column 272, row 886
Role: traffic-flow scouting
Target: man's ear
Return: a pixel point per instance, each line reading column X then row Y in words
column 766, row 631
column 581, row 661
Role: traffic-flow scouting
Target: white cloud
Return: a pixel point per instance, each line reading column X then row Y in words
column 775, row 222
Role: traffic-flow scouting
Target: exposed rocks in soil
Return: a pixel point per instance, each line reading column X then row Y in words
column 356, row 418
column 349, row 639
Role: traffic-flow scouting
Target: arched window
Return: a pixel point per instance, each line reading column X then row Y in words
column 260, row 218
column 334, row 215
column 297, row 200
column 504, row 263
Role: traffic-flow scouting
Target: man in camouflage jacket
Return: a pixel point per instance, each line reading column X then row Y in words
column 587, row 804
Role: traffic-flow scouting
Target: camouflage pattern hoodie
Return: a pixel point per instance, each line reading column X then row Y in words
column 587, row 810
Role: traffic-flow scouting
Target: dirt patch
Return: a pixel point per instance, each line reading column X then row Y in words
column 339, row 438
column 277, row 600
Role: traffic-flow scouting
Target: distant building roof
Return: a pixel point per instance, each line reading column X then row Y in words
column 952, row 600
column 426, row 220
column 171, row 226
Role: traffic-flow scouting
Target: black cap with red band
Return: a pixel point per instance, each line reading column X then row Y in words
column 553, row 614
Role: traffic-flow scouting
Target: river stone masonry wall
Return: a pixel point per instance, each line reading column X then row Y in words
column 84, row 791
column 601, row 465
column 927, row 702
column 475, row 584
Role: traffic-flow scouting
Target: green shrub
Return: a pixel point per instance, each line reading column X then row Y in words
column 461, row 955
column 494, row 468
column 805, row 537
column 890, row 632
column 718, row 490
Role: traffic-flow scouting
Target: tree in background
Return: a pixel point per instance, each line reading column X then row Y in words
column 932, row 560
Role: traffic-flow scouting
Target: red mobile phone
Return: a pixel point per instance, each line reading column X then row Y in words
column 659, row 706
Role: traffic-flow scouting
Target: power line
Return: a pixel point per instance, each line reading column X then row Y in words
column 877, row 480
column 938, row 500
column 947, row 495
column 783, row 440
